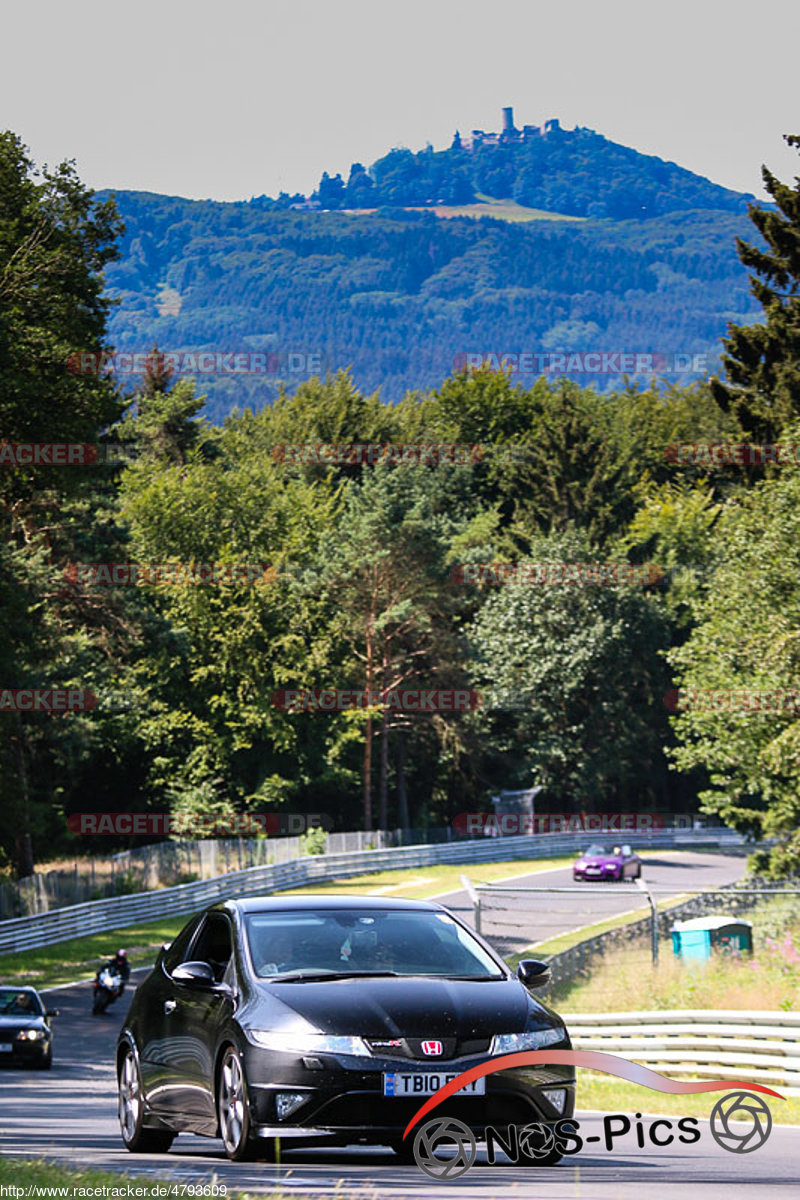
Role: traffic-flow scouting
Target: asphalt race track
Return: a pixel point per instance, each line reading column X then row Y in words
column 69, row 1113
column 514, row 921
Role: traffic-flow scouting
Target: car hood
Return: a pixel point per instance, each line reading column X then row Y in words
column 21, row 1022
column 405, row 1007
column 601, row 860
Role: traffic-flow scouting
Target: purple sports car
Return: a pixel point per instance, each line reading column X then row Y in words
column 600, row 862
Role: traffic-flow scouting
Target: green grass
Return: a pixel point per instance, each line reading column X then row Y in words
column 27, row 1173
column 79, row 958
column 484, row 206
column 769, row 979
column 501, row 210
column 614, row 1095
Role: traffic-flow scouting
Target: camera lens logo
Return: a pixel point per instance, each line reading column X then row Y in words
column 455, row 1144
column 537, row 1140
column 740, row 1107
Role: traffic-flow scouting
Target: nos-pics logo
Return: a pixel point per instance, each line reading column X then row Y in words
column 445, row 1148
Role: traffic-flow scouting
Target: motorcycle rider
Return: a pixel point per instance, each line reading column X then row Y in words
column 119, row 963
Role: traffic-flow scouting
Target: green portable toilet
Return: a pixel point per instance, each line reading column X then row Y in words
column 697, row 937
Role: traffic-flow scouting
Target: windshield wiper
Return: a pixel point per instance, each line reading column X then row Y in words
column 308, row 976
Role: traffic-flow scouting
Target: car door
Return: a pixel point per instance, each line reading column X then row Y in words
column 195, row 1015
column 157, row 1033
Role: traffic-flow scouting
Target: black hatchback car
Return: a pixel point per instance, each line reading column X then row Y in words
column 312, row 1017
column 26, row 1039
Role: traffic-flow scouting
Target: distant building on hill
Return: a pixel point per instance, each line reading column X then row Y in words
column 509, row 135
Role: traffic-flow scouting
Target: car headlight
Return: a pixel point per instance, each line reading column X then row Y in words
column 308, row 1043
column 580, row 865
column 30, row 1035
column 536, row 1039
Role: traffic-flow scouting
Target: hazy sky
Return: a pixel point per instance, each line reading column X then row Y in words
column 240, row 97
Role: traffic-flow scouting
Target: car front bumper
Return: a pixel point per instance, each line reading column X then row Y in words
column 345, row 1100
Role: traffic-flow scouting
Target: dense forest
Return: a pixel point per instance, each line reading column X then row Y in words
column 360, row 562
column 399, row 297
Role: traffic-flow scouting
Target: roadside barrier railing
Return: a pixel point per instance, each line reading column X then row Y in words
column 117, row 912
column 762, row 1047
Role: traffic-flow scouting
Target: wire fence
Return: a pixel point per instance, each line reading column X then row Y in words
column 169, row 863
column 514, row 917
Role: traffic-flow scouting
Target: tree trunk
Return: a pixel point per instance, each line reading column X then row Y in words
column 384, row 776
column 23, row 850
column 402, row 794
column 368, row 775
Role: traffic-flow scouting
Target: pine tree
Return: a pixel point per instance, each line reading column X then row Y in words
column 762, row 362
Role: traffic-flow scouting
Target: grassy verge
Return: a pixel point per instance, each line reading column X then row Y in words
column 614, row 1095
column 79, row 958
column 625, row 978
column 51, row 1179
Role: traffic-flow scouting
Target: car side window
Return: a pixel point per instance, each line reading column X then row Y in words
column 213, row 944
column 177, row 951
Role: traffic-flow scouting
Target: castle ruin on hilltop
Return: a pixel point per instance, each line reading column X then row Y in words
column 507, row 136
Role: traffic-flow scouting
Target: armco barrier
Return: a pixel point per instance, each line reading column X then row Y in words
column 117, row 912
column 760, row 1046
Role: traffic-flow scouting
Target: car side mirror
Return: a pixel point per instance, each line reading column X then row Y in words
column 53, row 1012
column 195, row 974
column 533, row 972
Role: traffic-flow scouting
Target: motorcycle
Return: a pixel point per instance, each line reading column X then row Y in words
column 108, row 985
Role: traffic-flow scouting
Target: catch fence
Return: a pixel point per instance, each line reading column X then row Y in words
column 41, row 929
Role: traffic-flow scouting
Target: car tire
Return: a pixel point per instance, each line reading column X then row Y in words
column 137, row 1139
column 46, row 1062
column 233, row 1112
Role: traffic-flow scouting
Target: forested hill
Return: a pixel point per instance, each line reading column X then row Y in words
column 401, row 296
column 576, row 172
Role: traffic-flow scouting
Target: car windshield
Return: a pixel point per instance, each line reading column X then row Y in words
column 14, row 1003
column 596, row 848
column 360, row 941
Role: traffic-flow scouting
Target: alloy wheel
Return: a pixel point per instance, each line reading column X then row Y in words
column 233, row 1118
column 130, row 1098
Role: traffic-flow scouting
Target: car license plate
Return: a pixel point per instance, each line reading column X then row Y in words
column 6, row 1047
column 425, row 1083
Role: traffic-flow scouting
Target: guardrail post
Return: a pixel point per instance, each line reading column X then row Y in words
column 476, row 901
column 653, row 918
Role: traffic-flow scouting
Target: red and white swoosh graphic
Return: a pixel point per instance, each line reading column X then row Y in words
column 597, row 1060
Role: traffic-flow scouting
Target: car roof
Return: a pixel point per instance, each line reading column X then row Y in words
column 252, row 904
column 18, row 987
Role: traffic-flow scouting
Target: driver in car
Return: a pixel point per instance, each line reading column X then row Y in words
column 280, row 952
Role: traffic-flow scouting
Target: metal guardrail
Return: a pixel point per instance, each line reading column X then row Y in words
column 762, row 1047
column 42, row 929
